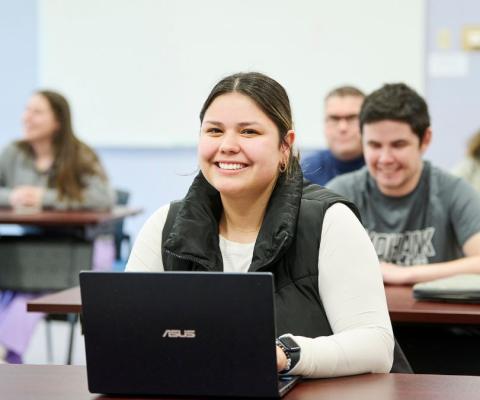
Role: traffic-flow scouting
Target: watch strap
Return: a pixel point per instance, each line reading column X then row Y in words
column 291, row 350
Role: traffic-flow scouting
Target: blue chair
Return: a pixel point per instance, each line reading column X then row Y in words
column 121, row 238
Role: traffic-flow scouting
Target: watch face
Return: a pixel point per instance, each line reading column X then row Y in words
column 289, row 343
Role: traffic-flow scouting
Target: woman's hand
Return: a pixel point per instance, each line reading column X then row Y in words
column 281, row 359
column 394, row 274
column 26, row 196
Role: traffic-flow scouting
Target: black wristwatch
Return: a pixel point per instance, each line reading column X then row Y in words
column 291, row 350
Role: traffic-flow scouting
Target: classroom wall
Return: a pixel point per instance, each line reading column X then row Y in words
column 138, row 71
column 154, row 177
column 452, row 79
column 18, row 62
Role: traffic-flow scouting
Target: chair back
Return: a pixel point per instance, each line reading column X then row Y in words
column 120, row 236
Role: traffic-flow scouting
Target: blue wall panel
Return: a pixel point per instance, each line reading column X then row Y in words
column 18, row 65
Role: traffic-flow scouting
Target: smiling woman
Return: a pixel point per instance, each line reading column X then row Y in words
column 240, row 154
column 233, row 153
column 249, row 209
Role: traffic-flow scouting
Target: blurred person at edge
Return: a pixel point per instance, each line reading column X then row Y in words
column 469, row 167
column 48, row 168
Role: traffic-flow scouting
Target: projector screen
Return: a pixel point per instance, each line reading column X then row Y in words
column 137, row 72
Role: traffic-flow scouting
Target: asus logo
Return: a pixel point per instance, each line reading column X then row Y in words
column 178, row 333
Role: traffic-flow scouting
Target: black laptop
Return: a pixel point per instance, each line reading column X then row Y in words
column 181, row 334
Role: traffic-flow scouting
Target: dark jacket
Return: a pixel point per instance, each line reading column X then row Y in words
column 287, row 245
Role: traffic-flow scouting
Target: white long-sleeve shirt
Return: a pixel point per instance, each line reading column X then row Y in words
column 350, row 287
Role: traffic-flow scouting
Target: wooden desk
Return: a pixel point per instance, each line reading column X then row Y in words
column 64, row 302
column 51, row 259
column 401, row 305
column 60, row 382
column 66, row 219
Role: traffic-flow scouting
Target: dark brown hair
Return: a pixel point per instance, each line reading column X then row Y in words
column 396, row 102
column 268, row 95
column 73, row 159
column 473, row 148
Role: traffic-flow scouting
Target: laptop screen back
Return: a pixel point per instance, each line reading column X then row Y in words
column 182, row 333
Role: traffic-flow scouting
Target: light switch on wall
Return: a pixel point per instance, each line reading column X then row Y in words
column 471, row 38
column 444, row 39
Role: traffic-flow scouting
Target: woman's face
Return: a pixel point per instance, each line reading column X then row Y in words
column 239, row 149
column 39, row 122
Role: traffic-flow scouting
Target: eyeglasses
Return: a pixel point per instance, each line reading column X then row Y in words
column 335, row 119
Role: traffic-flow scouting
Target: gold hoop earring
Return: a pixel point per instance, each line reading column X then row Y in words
column 282, row 167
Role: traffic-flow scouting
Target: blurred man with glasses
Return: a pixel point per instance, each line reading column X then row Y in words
column 342, row 132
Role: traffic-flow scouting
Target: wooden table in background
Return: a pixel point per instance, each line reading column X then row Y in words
column 401, row 305
column 66, row 219
column 64, row 302
column 55, row 247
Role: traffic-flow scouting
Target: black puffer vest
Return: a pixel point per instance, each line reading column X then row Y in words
column 287, row 245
